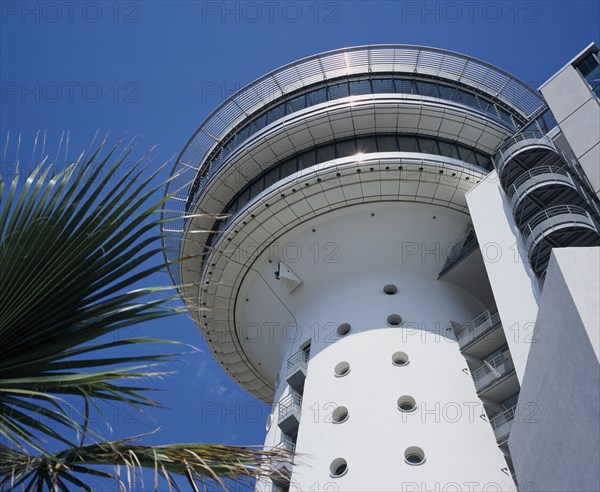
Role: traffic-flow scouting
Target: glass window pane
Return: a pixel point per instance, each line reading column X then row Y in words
column 405, row 86
column 307, row 159
column 483, row 160
column 275, row 113
column 316, row 97
column 448, row 149
column 467, row 155
column 257, row 187
column 272, row 177
column 289, row 167
column 360, row 87
column 429, row 146
column 366, row 145
column 347, row 148
column 338, row 91
column 387, row 144
column 383, row 86
column 295, row 104
column 326, row 153
column 408, row 144
column 427, row 89
column 447, row 92
column 258, row 124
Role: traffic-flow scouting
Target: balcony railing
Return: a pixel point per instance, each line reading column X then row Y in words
column 519, row 142
column 555, row 217
column 502, row 424
column 535, row 177
column 289, row 405
column 492, row 370
column 463, row 248
column 297, row 361
column 480, row 326
column 287, row 445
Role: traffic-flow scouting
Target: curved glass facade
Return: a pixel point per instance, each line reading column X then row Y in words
column 348, row 147
column 340, row 88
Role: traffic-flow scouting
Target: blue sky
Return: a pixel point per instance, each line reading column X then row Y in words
column 156, row 69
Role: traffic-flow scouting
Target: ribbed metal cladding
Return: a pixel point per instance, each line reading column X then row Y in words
column 497, row 84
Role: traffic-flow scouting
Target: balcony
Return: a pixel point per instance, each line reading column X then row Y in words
column 460, row 250
column 558, row 226
column 495, row 378
column 289, row 414
column 482, row 335
column 519, row 144
column 536, row 179
column 297, row 366
column 502, row 424
column 282, row 469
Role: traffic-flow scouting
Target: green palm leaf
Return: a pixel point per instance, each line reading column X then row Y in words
column 73, row 246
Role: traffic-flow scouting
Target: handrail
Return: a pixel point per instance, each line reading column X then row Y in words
column 289, row 404
column 536, row 171
column 465, row 246
column 502, row 423
column 478, row 326
column 503, row 154
column 297, row 360
column 555, row 211
column 286, row 444
column 492, row 370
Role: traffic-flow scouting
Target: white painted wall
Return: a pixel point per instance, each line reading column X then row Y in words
column 513, row 282
column 405, row 245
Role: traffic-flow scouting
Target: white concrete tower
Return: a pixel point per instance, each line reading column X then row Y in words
column 321, row 250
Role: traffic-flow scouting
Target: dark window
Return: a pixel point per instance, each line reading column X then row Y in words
column 360, row 87
column 429, row 146
column 295, row 104
column 337, row 91
column 383, row 86
column 347, row 148
column 387, row 143
column 408, row 144
column 326, row 153
column 306, row 159
column 449, row 149
column 366, row 145
column 317, row 96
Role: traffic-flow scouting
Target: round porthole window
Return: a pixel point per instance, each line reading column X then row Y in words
column 414, row 455
column 338, row 467
column 390, row 289
column 399, row 359
column 340, row 415
column 341, row 369
column 394, row 320
column 407, row 404
column 343, row 329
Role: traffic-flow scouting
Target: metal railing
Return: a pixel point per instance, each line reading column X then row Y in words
column 556, row 216
column 492, row 370
column 502, row 423
column 287, row 445
column 463, row 248
column 537, row 176
column 292, row 403
column 297, row 361
column 518, row 142
column 478, row 327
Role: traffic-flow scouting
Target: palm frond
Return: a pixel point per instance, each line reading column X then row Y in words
column 198, row 463
column 72, row 246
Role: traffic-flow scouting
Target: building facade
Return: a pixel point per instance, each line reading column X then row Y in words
column 365, row 245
